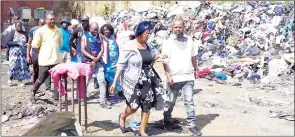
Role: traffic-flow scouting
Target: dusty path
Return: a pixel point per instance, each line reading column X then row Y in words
column 220, row 110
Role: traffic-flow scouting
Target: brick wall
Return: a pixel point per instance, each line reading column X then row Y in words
column 16, row 4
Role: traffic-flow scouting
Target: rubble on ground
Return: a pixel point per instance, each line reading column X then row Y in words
column 237, row 42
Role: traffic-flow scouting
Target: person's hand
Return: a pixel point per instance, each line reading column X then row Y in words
column 170, row 80
column 196, row 74
column 112, row 88
column 95, row 59
column 29, row 60
column 92, row 63
column 162, row 56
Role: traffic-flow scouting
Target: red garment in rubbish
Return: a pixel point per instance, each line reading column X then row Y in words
column 72, row 70
column 125, row 25
column 206, row 36
column 203, row 72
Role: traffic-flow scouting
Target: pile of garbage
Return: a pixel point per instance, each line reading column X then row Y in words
column 237, row 41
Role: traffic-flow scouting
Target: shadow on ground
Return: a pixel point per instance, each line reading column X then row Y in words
column 156, row 128
column 105, row 125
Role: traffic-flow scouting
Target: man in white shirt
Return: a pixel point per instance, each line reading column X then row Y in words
column 181, row 70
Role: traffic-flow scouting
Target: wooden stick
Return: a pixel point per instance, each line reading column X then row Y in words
column 66, row 95
column 73, row 96
column 59, row 93
column 85, row 101
column 79, row 99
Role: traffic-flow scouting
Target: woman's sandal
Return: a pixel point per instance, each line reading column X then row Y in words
column 123, row 129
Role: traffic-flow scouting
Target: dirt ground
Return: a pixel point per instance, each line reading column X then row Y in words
column 221, row 110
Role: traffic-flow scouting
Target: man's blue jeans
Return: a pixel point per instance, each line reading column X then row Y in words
column 187, row 91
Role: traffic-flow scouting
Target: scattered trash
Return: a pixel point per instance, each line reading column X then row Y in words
column 34, row 110
column 221, row 76
column 226, row 35
column 208, row 104
column 134, row 125
column 282, row 115
column 5, row 118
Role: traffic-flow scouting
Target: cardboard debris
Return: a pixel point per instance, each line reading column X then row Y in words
column 56, row 124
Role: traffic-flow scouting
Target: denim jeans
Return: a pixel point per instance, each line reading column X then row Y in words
column 187, row 91
column 98, row 74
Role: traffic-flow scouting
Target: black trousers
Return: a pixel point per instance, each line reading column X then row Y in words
column 42, row 76
column 36, row 71
column 7, row 53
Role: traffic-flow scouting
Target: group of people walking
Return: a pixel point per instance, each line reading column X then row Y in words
column 126, row 68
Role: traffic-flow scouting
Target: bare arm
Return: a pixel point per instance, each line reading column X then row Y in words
column 195, row 63
column 166, row 69
column 72, row 44
column 166, row 50
column 83, row 48
column 74, row 36
column 29, row 46
column 195, row 51
column 157, row 57
column 118, row 73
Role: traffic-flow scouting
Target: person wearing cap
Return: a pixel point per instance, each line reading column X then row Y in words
column 181, row 70
column 65, row 47
column 75, row 42
column 8, row 30
column 76, row 36
column 140, row 83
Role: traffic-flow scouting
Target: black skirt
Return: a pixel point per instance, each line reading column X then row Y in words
column 149, row 92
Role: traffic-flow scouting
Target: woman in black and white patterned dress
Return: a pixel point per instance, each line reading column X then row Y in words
column 18, row 68
column 140, row 83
